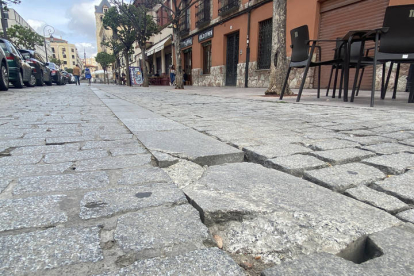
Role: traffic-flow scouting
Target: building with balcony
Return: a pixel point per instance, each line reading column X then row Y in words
column 64, row 51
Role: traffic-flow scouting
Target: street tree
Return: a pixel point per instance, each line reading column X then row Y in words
column 144, row 25
column 105, row 60
column 279, row 65
column 24, row 37
column 116, row 48
column 119, row 23
column 56, row 61
column 3, row 9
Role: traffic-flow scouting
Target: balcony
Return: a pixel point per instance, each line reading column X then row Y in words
column 185, row 26
column 228, row 6
column 203, row 14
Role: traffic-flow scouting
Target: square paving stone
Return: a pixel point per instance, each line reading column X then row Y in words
column 393, row 163
column 31, row 212
column 113, row 163
column 371, row 140
column 21, row 143
column 142, row 175
column 29, row 170
column 264, row 152
column 63, row 182
column 42, row 250
column 331, row 144
column 342, row 177
column 162, row 231
column 114, row 201
column 45, row 149
column 152, row 124
column 74, row 156
column 202, row 262
column 296, row 164
column 407, row 216
column 52, row 134
column 110, row 144
column 401, row 186
column 377, row 199
column 3, row 184
column 63, row 140
column 389, row 148
column 400, row 136
column 409, row 142
column 121, row 136
column 342, row 156
column 20, row 160
column 128, row 150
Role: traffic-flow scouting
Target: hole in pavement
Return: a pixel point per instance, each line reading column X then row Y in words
column 143, row 195
column 361, row 251
column 352, row 172
column 95, row 204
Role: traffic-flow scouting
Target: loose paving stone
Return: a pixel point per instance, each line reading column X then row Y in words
column 377, row 199
column 342, row 156
column 3, row 184
column 161, row 232
column 401, row 186
column 51, row 248
column 296, row 164
column 260, row 211
column 63, row 182
column 164, row 160
column 45, row 149
column 74, row 156
column 21, row 143
column 184, row 173
column 31, row 170
column 192, row 145
column 264, row 152
column 393, row 163
column 342, row 177
column 113, row 163
column 331, row 144
column 129, row 150
column 203, row 262
column 110, row 144
column 407, row 216
column 63, row 140
column 113, row 201
column 142, row 175
column 20, row 160
column 389, row 148
column 31, row 212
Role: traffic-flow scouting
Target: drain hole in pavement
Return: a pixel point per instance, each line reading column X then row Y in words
column 361, row 250
column 143, row 195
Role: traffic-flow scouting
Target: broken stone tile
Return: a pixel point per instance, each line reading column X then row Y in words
column 63, row 140
column 164, row 160
column 377, row 199
column 142, row 175
column 113, row 201
column 202, row 262
column 162, row 231
column 393, row 163
column 342, row 177
column 184, row 173
column 45, row 149
column 296, row 164
column 331, row 144
column 342, row 156
column 112, row 163
column 74, row 156
column 128, row 150
column 400, row 186
column 55, row 247
column 62, row 182
column 264, row 152
column 3, row 184
column 389, row 148
column 110, row 144
column 407, row 216
column 31, row 212
column 29, row 170
column 20, row 160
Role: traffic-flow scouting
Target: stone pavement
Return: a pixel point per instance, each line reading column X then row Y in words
column 113, row 180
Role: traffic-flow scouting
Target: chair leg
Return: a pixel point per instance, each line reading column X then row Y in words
column 383, row 82
column 411, row 96
column 306, row 72
column 319, row 81
column 397, row 75
column 335, row 82
column 388, row 78
column 374, row 70
column 358, row 67
column 342, row 81
column 285, row 84
column 329, row 83
column 360, row 81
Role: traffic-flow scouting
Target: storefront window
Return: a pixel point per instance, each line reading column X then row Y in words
column 206, row 57
column 265, row 44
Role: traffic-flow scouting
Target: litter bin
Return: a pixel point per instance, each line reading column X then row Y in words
column 410, row 78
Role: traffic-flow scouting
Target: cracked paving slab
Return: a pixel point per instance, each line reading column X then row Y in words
column 400, row 186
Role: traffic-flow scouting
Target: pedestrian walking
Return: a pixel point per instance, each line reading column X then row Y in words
column 172, row 75
column 76, row 74
column 123, row 78
column 88, row 75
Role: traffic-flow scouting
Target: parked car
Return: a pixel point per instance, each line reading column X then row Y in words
column 66, row 76
column 55, row 73
column 4, row 71
column 41, row 72
column 20, row 72
column 72, row 78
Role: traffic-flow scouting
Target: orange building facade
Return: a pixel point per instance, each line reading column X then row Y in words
column 219, row 36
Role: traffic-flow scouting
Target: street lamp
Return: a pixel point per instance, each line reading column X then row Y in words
column 50, row 30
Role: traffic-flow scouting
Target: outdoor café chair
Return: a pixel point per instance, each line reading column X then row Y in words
column 301, row 58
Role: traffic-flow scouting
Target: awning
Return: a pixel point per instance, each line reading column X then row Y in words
column 157, row 47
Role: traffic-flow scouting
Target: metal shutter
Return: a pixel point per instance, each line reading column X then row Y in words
column 340, row 16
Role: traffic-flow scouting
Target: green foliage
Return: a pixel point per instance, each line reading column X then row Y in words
column 24, row 37
column 104, row 59
column 56, row 61
column 69, row 70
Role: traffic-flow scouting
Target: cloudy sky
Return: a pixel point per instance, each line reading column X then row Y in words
column 73, row 20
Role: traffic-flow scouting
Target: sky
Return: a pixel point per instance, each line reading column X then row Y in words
column 73, row 20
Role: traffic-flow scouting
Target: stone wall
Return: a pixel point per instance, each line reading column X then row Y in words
column 402, row 79
column 217, row 77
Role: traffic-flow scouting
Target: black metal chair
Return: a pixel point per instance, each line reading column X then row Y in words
column 302, row 58
column 393, row 43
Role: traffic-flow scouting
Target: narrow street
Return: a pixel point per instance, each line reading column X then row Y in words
column 111, row 180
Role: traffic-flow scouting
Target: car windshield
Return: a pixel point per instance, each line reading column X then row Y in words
column 26, row 55
column 4, row 47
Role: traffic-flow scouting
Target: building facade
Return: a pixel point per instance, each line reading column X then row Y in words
column 101, row 32
column 66, row 52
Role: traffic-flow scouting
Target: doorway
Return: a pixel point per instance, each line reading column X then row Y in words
column 188, row 66
column 232, row 59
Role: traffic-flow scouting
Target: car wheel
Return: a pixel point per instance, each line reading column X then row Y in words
column 32, row 81
column 4, row 79
column 19, row 83
column 49, row 83
column 40, row 81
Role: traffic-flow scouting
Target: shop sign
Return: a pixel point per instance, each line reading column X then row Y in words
column 186, row 42
column 205, row 35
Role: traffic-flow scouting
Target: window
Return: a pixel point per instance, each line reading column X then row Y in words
column 65, row 62
column 73, row 63
column 73, row 56
column 206, row 57
column 54, row 56
column 53, row 49
column 203, row 13
column 64, row 56
column 265, row 44
column 73, row 50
